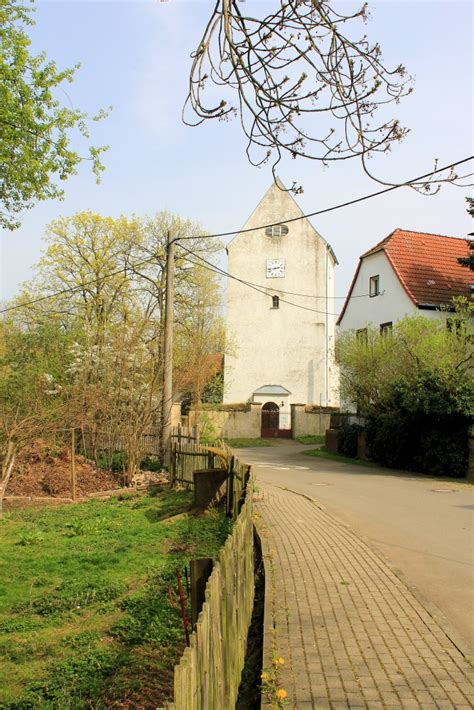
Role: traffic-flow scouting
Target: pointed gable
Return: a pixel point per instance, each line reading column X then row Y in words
column 426, row 265
column 277, row 206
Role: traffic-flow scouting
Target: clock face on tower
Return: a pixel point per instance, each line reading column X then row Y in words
column 275, row 268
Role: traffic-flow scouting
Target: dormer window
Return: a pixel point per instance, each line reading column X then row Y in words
column 275, row 302
column 276, row 230
column 374, row 286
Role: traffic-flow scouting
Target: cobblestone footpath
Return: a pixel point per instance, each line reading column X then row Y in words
column 341, row 629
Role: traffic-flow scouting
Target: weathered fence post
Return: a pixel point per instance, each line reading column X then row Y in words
column 73, row 464
column 230, row 488
column 6, row 471
column 173, row 463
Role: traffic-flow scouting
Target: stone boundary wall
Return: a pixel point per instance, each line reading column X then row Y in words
column 230, row 421
column 243, row 421
column 309, row 419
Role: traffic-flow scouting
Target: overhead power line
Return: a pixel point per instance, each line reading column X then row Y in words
column 79, row 287
column 216, row 269
column 72, row 289
column 334, row 207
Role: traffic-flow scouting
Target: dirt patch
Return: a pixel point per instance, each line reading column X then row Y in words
column 43, row 471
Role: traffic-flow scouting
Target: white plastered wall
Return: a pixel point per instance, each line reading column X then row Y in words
column 390, row 305
column 288, row 346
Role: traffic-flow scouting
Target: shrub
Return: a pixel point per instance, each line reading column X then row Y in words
column 151, row 463
column 347, row 437
column 425, row 425
column 115, row 463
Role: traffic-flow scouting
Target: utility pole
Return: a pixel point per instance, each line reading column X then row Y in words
column 167, row 401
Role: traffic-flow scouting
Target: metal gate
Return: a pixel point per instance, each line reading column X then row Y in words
column 270, row 420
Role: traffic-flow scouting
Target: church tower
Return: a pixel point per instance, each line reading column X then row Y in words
column 280, row 330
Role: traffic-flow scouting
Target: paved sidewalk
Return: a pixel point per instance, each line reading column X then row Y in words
column 349, row 631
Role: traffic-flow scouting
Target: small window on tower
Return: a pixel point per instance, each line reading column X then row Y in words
column 276, row 230
column 275, row 302
column 374, row 286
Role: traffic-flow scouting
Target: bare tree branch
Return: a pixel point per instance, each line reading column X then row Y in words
column 300, row 84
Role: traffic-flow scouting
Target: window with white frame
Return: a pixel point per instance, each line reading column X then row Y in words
column 276, row 230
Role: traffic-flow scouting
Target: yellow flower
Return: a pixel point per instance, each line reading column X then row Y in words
column 281, row 694
column 280, row 661
column 264, row 676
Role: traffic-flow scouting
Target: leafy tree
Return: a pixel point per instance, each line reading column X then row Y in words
column 35, row 143
column 370, row 366
column 469, row 259
column 33, row 388
column 108, row 279
column 415, row 390
column 213, row 392
column 200, row 337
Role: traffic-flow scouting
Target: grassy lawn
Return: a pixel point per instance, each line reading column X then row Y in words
column 248, row 443
column 323, row 454
column 87, row 600
column 311, row 439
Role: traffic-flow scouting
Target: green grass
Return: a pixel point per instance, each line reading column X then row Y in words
column 311, row 439
column 248, row 443
column 87, row 600
column 323, row 454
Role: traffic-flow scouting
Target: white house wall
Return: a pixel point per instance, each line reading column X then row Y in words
column 286, row 346
column 390, row 305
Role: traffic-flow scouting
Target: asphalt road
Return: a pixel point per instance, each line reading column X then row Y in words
column 423, row 526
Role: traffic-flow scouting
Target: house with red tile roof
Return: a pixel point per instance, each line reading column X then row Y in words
column 407, row 273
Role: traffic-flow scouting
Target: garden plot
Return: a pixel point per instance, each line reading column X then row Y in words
column 88, row 608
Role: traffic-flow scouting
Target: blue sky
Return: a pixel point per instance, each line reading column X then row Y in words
column 135, row 57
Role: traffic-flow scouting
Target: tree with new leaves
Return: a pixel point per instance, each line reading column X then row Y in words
column 100, row 282
column 34, row 385
column 415, row 390
column 304, row 82
column 200, row 338
column 370, row 365
column 35, row 127
column 469, row 259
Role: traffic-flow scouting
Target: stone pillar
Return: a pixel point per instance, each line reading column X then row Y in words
column 298, row 420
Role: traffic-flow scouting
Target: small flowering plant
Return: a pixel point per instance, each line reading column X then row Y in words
column 271, row 687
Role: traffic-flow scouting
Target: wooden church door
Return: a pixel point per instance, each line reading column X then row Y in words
column 270, row 420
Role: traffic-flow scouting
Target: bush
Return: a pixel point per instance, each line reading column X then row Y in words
column 347, row 437
column 116, row 463
column 151, row 463
column 426, row 426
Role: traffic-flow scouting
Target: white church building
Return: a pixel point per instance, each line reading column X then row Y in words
column 280, row 321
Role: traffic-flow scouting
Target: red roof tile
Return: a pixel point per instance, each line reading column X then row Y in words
column 426, row 265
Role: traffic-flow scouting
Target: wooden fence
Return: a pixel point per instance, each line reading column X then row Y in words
column 185, row 457
column 208, row 675
column 94, row 444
